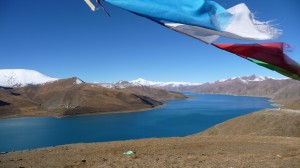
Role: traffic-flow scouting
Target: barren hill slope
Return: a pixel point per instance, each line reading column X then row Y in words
column 192, row 151
column 273, row 122
column 72, row 97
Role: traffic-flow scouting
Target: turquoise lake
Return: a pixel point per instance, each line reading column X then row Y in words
column 175, row 118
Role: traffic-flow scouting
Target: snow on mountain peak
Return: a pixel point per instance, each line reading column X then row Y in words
column 247, row 79
column 22, row 77
column 143, row 82
column 78, row 81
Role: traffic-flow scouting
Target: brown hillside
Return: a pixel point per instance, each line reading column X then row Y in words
column 294, row 104
column 192, row 151
column 154, row 93
column 276, row 122
column 17, row 105
column 66, row 97
column 276, row 89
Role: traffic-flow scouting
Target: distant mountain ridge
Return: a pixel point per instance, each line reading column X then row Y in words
column 24, row 77
column 283, row 91
column 30, row 93
column 141, row 81
column 252, row 86
column 247, row 79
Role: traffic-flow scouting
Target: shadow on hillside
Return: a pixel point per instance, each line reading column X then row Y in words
column 2, row 103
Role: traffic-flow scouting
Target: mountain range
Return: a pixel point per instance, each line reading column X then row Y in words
column 282, row 91
column 30, row 93
column 72, row 96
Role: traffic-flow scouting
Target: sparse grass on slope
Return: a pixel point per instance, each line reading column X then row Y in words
column 281, row 122
column 193, row 151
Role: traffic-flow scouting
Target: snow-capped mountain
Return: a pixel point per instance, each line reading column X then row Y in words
column 188, row 86
column 78, row 81
column 251, row 86
column 247, row 85
column 22, row 77
column 246, row 79
column 114, row 85
column 144, row 82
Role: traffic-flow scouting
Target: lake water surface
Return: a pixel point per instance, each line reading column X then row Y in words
column 175, row 118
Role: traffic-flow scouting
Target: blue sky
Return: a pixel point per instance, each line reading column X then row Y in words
column 65, row 39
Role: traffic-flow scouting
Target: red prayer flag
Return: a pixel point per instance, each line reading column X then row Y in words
column 271, row 53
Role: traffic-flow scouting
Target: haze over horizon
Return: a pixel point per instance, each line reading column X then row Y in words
column 67, row 39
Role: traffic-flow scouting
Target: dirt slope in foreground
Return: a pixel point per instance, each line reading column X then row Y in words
column 273, row 122
column 193, row 151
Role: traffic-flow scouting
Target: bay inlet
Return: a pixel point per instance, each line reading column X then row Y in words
column 175, row 119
